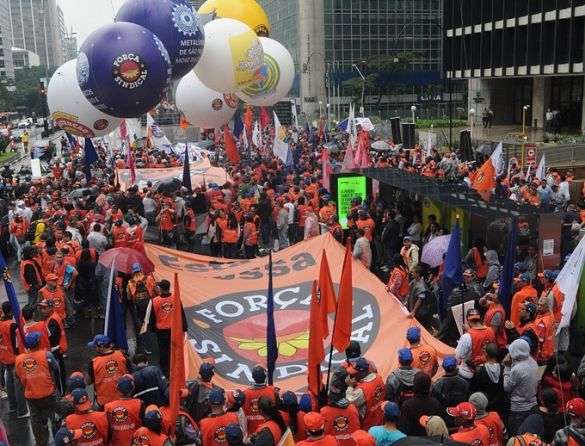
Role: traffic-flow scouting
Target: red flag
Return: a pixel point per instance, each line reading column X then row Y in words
column 265, row 118
column 485, row 178
column 348, row 161
column 230, row 146
column 321, row 132
column 326, row 294
column 130, row 161
column 326, row 168
column 177, row 372
column 316, row 347
column 248, row 118
column 342, row 332
column 183, row 123
column 123, row 130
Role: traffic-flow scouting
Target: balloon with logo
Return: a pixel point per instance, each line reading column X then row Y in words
column 278, row 73
column 203, row 107
column 70, row 110
column 232, row 58
column 246, row 11
column 175, row 23
column 123, row 69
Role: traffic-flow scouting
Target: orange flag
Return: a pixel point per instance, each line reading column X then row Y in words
column 230, row 146
column 183, row 123
column 248, row 118
column 342, row 329
column 327, row 301
column 485, row 178
column 316, row 347
column 177, row 372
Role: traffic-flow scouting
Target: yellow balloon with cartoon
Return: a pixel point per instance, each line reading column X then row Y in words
column 246, row 11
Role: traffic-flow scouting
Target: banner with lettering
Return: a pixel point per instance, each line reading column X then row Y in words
column 225, row 304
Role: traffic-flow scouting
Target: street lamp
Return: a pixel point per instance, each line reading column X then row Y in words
column 524, row 110
column 471, row 120
column 362, row 108
column 328, row 113
column 413, row 110
column 320, row 109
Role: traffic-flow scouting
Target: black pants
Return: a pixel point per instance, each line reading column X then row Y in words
column 251, row 251
column 164, row 352
column 229, row 250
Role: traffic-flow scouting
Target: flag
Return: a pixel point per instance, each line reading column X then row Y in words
column 12, row 298
column 238, row 125
column 123, row 130
column 154, row 134
column 497, row 159
column 265, row 120
column 90, row 157
column 316, row 348
column 271, row 342
column 217, row 137
column 453, row 273
column 187, row 172
column 485, row 178
column 248, row 118
column 352, row 126
column 177, row 370
column 116, row 329
column 507, row 275
column 183, row 123
column 230, row 146
column 295, row 118
column 568, row 282
column 320, row 128
column 256, row 136
column 326, row 294
column 348, row 161
column 279, row 148
column 541, row 169
column 326, row 168
column 342, row 326
column 429, row 145
column 130, row 161
column 71, row 139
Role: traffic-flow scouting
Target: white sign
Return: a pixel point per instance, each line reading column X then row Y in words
column 548, row 247
column 459, row 312
column 35, row 167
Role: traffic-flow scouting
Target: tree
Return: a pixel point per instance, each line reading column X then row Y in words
column 27, row 84
column 353, row 87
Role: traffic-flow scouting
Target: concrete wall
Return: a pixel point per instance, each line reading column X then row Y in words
column 540, row 99
column 583, row 111
column 497, row 94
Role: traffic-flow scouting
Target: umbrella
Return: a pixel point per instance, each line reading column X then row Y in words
column 125, row 258
column 381, row 145
column 434, row 250
column 485, row 149
column 168, row 185
column 207, row 144
column 333, row 147
column 83, row 192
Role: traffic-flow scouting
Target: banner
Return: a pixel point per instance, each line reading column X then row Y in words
column 200, row 169
column 225, row 304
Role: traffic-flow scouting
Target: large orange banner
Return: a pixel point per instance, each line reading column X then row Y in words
column 225, row 304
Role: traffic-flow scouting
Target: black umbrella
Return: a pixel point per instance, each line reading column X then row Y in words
column 84, row 192
column 485, row 149
column 168, row 185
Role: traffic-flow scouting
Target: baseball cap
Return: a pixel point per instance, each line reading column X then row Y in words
column 236, row 397
column 288, row 398
column 125, row 384
column 360, row 365
column 408, row 237
column 136, row 267
column 362, row 438
column 404, row 355
column 473, row 315
column 233, row 432
column 413, row 334
column 548, row 274
column 464, row 410
column 259, row 374
column 530, row 307
column 51, row 277
column 66, row 436
column 76, row 381
column 46, row 303
column 522, row 267
column 468, row 272
column 576, row 407
column 314, row 421
column 81, row 399
column 449, row 363
column 99, row 340
column 32, row 339
column 391, row 409
column 305, row 403
column 524, row 277
column 216, row 396
column 152, row 417
column 206, row 370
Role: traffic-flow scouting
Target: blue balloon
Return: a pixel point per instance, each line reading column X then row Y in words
column 176, row 24
column 123, row 69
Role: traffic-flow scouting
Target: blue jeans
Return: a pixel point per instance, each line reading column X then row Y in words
column 15, row 391
column 283, row 238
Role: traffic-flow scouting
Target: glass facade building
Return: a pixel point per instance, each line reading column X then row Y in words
column 6, row 63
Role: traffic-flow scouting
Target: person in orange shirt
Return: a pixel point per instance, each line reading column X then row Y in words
column 491, row 420
column 17, row 230
column 213, row 427
column 53, row 292
column 424, row 357
column 119, row 235
column 253, row 394
column 469, row 431
column 166, row 222
column 124, row 414
column 316, row 435
column 545, row 331
column 525, row 292
column 94, row 424
column 151, row 432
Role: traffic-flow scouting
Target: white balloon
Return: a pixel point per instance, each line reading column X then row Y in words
column 232, row 57
column 69, row 108
column 278, row 74
column 203, row 107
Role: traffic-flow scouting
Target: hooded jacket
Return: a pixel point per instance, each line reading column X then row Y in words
column 493, row 273
column 521, row 379
column 401, row 379
column 577, row 432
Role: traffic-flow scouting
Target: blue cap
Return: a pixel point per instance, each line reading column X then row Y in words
column 76, row 381
column 152, row 418
column 391, row 410
column 305, row 403
column 413, row 334
column 65, row 436
column 99, row 340
column 206, row 370
column 289, row 399
column 136, row 267
column 360, row 365
column 530, row 307
column 524, row 277
column 125, row 384
column 216, row 396
column 404, row 355
column 363, row 214
column 233, row 432
column 449, row 363
column 556, row 273
column 527, row 339
column 548, row 274
column 522, row 267
column 33, row 339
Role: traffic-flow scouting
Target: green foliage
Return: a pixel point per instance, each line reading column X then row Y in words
column 26, row 93
column 422, row 124
column 563, row 139
column 353, row 87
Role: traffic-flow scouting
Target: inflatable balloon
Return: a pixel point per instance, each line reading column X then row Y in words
column 123, row 69
column 70, row 110
column 203, row 107
column 120, row 164
column 246, row 11
column 232, row 58
column 278, row 73
column 175, row 23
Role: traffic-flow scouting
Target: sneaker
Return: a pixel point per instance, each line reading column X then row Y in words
column 147, row 351
column 24, row 415
column 3, row 395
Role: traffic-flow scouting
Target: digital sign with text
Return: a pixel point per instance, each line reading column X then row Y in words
column 348, row 188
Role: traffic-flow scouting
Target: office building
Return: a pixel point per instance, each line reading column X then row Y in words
column 6, row 64
column 35, row 26
column 25, row 59
column 521, row 57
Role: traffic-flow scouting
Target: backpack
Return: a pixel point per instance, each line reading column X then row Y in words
column 29, row 236
column 142, row 297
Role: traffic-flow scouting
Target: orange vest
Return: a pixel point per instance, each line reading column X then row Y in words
column 166, row 220
column 47, row 263
column 301, row 428
column 274, row 429
column 424, row 357
column 533, row 440
column 62, row 347
column 341, row 423
column 25, row 284
column 481, row 265
column 545, row 331
column 58, row 298
column 119, row 237
column 107, row 369
column 368, row 226
column 302, row 210
column 7, row 353
column 163, row 310
column 250, row 406
column 403, row 283
column 559, row 298
column 495, row 426
column 477, row 436
column 229, row 235
column 253, row 237
column 502, row 338
column 41, row 327
column 144, row 436
column 135, row 238
column 327, row 440
column 480, row 338
column 374, row 392
column 167, row 421
column 529, row 326
column 124, row 419
column 34, row 373
column 525, row 293
column 192, row 223
column 94, row 426
column 213, row 428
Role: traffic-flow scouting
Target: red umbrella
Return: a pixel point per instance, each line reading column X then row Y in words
column 125, row 258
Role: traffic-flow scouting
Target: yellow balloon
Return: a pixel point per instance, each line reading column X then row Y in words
column 246, row 11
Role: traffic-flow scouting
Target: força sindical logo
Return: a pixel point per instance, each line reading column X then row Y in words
column 129, row 71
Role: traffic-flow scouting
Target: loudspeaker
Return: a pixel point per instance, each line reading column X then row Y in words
column 396, row 137
column 408, row 129
column 465, row 145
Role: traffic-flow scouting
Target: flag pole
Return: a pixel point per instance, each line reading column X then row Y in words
column 109, row 299
column 462, row 298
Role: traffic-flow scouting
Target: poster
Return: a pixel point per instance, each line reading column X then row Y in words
column 348, row 188
column 459, row 313
column 35, row 167
column 530, row 157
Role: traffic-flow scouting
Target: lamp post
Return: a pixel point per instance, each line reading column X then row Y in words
column 362, row 108
column 329, row 114
column 320, row 109
column 471, row 120
column 413, row 110
column 524, row 110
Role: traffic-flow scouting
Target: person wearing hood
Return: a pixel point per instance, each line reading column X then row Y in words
column 520, row 382
column 488, row 378
column 529, row 433
column 339, row 408
column 437, row 431
column 574, row 433
column 491, row 420
column 420, row 404
column 493, row 272
column 470, row 432
column 451, row 389
column 399, row 384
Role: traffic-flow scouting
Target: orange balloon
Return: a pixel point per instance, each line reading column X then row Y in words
column 120, row 164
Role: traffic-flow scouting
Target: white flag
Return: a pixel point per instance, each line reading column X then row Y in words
column 497, row 159
column 540, row 170
column 568, row 282
column 256, row 134
column 429, row 145
column 295, row 118
column 351, row 126
column 157, row 137
column 280, row 148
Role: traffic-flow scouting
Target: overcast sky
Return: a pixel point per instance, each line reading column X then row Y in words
column 85, row 16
